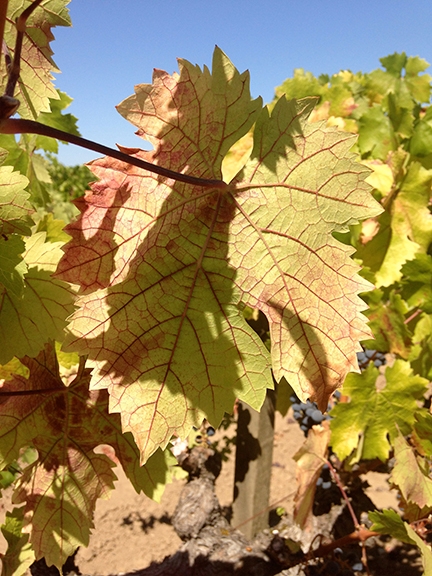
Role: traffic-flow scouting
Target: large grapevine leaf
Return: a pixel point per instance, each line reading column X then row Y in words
column 376, row 412
column 166, row 267
column 65, row 423
column 35, row 86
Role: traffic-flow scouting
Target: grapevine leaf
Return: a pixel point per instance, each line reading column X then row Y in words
column 301, row 85
column 382, row 178
column 12, row 266
column 411, row 475
column 421, row 352
column 55, row 118
column 165, row 267
column 404, row 229
column 39, row 313
column 19, row 554
column 311, row 187
column 14, row 366
column 412, row 202
column 374, row 412
column 53, row 228
column 394, row 64
column 15, row 209
column 417, row 282
column 389, row 522
column 310, row 460
column 335, row 95
column 422, row 434
column 283, row 402
column 425, row 549
column 23, row 156
column 65, row 423
column 387, row 321
column 376, row 134
column 421, row 141
column 375, row 239
column 419, row 86
column 35, row 86
column 392, row 246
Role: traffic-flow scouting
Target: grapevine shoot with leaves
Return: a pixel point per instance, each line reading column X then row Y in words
column 127, row 326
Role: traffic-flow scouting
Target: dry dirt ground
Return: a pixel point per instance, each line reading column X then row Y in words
column 131, row 530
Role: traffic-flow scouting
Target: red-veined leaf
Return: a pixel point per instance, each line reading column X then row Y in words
column 165, row 267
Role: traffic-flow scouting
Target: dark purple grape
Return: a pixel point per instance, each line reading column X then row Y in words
column 361, row 357
column 317, row 416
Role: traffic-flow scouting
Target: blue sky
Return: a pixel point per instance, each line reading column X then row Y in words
column 115, row 44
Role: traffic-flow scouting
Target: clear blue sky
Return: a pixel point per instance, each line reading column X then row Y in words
column 115, row 44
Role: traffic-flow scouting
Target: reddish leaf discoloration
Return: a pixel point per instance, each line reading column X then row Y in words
column 165, row 335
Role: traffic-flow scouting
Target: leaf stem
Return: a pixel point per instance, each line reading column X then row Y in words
column 361, row 531
column 344, row 495
column 413, row 315
column 20, row 126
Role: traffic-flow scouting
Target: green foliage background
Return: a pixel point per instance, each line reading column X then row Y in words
column 389, row 109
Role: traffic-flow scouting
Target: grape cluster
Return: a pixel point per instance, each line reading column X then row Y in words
column 307, row 414
column 366, row 356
